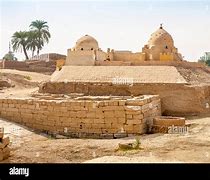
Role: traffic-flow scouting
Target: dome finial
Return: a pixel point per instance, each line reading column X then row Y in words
column 161, row 26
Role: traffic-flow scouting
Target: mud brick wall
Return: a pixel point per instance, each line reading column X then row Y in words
column 176, row 99
column 104, row 118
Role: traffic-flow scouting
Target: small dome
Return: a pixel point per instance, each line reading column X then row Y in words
column 161, row 37
column 86, row 43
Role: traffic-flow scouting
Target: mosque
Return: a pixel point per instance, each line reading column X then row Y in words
column 87, row 52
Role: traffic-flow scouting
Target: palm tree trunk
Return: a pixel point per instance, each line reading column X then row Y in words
column 38, row 52
column 25, row 52
column 32, row 53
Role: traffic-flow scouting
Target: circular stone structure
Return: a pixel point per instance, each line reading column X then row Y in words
column 86, row 43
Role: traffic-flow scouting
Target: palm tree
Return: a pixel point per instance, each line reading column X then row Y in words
column 19, row 41
column 43, row 34
column 10, row 56
column 32, row 41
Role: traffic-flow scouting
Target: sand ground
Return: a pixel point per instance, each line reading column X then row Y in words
column 32, row 147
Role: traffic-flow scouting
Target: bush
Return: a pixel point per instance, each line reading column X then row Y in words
column 28, row 78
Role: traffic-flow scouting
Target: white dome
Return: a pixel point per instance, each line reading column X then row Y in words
column 161, row 38
column 86, row 43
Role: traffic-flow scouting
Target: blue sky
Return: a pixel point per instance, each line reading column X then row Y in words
column 116, row 24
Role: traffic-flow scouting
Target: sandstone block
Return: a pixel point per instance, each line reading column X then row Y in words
column 108, row 125
column 121, row 120
column 106, row 135
column 120, row 135
column 1, row 155
column 169, row 121
column 128, row 128
column 138, row 116
column 159, row 129
column 6, row 153
column 129, row 116
column 136, row 102
column 99, row 121
column 134, row 121
column 91, row 114
column 81, row 114
column 109, row 114
column 133, row 108
column 122, row 102
column 140, row 128
column 113, row 108
column 73, row 114
column 11, row 105
column 110, row 120
column 5, row 141
column 1, row 133
column 119, row 114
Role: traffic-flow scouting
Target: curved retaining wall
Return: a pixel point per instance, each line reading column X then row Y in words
column 96, row 117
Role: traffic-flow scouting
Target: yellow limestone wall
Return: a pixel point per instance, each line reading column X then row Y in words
column 166, row 57
column 84, row 57
column 105, row 118
column 128, row 56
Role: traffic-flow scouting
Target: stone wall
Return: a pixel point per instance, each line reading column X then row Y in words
column 80, row 58
column 184, row 64
column 100, row 117
column 1, row 64
column 20, row 65
column 176, row 99
column 39, row 66
column 128, row 56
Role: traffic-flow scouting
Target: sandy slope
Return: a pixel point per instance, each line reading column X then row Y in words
column 35, row 77
column 24, row 82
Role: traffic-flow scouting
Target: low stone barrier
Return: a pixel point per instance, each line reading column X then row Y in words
column 169, row 124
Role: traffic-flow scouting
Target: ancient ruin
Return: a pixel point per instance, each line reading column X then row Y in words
column 87, row 98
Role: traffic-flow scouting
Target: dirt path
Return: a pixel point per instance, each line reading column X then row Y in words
column 28, row 146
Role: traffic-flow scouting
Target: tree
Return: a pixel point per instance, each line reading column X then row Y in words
column 205, row 59
column 9, row 56
column 42, row 30
column 32, row 41
column 20, row 41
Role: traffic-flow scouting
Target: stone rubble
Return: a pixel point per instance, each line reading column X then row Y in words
column 4, row 149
